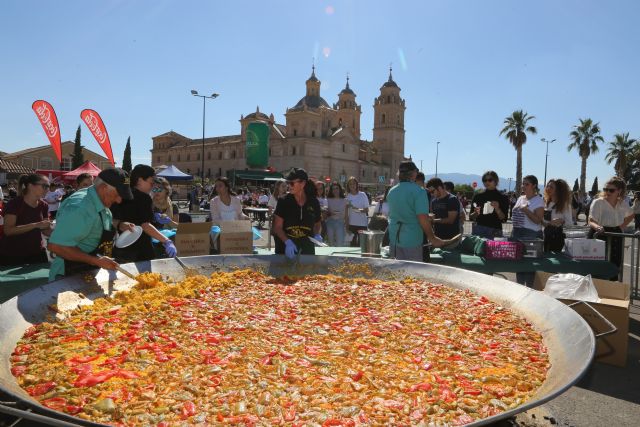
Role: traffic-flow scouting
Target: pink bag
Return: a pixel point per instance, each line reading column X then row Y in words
column 503, row 250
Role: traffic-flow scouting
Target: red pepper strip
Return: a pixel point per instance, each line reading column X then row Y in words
column 55, row 403
column 40, row 389
column 376, row 333
column 31, row 331
column 472, row 391
column 366, row 347
column 463, row 420
column 303, row 362
column 215, row 381
column 18, row 370
column 75, row 337
column 420, row 387
column 188, row 410
column 163, row 424
column 447, row 395
column 337, row 422
column 393, row 404
column 454, row 357
column 357, row 376
column 75, row 360
column 21, row 349
column 290, row 414
column 72, row 409
column 82, row 369
column 285, row 355
column 312, row 350
column 89, row 380
column 123, row 373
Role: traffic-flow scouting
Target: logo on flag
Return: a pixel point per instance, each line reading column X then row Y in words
column 47, row 117
column 97, row 128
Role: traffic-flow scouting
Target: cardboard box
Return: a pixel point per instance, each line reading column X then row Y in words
column 591, row 249
column 192, row 238
column 614, row 306
column 236, row 237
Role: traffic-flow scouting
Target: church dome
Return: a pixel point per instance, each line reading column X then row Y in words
column 311, row 101
column 390, row 82
column 347, row 90
column 257, row 115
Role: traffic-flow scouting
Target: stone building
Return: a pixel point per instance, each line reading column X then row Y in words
column 44, row 158
column 321, row 138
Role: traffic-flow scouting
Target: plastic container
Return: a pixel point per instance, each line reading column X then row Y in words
column 533, row 248
column 503, row 250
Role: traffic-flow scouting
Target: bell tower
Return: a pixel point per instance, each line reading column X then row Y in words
column 349, row 112
column 388, row 124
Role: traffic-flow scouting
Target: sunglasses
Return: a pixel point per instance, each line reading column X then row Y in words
column 609, row 189
column 157, row 189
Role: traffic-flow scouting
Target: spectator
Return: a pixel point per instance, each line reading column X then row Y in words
column 264, row 198
column 84, row 226
column 84, row 180
column 575, row 205
column 462, row 215
column 226, row 206
column 166, row 214
column 408, row 216
column 636, row 209
column 321, row 195
column 139, row 211
column 336, row 215
column 12, row 192
column 426, row 248
column 358, row 209
column 445, row 208
column 297, row 216
column 279, row 191
column 610, row 213
column 53, row 198
column 528, row 214
column 489, row 208
column 557, row 213
column 25, row 221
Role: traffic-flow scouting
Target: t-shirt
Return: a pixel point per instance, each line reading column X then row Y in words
column 358, row 201
column 80, row 221
column 263, row 199
column 406, row 200
column 222, row 212
column 336, row 207
column 53, row 199
column 29, row 243
column 608, row 216
column 520, row 219
column 441, row 208
column 490, row 220
column 566, row 214
column 298, row 221
column 323, row 202
column 137, row 211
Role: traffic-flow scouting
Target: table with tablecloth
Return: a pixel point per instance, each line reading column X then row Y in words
column 17, row 279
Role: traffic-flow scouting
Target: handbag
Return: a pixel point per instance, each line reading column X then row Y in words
column 378, row 222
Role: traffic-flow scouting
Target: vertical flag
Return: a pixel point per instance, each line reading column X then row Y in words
column 99, row 131
column 47, row 116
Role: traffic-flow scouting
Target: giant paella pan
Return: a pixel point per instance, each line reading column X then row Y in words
column 567, row 340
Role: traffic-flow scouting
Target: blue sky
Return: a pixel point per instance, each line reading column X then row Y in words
column 463, row 66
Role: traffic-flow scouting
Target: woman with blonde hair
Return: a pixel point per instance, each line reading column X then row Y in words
column 557, row 213
column 611, row 213
column 165, row 213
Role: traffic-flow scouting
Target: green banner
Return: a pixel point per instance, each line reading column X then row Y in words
column 257, row 145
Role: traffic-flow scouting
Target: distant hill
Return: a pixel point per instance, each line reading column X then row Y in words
column 459, row 178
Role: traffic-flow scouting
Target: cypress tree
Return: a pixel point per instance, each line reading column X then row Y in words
column 126, row 159
column 77, row 158
column 576, row 186
column 594, row 187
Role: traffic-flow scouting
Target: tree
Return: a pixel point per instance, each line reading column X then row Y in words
column 514, row 130
column 576, row 186
column 77, row 158
column 620, row 152
column 594, row 187
column 126, row 159
column 585, row 137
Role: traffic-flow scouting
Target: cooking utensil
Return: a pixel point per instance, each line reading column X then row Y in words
column 188, row 271
column 122, row 270
column 318, row 242
column 568, row 338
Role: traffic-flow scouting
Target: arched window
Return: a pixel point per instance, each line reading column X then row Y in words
column 384, row 117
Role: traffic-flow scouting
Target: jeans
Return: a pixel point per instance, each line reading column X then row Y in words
column 521, row 233
column 335, row 232
column 488, row 233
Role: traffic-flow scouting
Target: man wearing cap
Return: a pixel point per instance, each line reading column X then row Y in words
column 139, row 211
column 408, row 216
column 84, row 226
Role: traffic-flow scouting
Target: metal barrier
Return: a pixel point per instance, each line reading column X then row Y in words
column 634, row 265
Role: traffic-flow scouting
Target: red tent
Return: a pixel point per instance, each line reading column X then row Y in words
column 86, row 167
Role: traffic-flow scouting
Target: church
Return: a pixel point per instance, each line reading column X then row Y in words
column 323, row 139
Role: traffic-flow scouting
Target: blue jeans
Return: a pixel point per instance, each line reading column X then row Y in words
column 521, row 233
column 335, row 232
column 488, row 233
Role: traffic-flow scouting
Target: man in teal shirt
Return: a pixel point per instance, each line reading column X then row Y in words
column 408, row 216
column 84, row 228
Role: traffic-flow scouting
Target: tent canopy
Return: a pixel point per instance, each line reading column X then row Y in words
column 86, row 167
column 172, row 173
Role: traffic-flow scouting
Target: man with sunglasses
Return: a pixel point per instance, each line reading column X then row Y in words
column 489, row 208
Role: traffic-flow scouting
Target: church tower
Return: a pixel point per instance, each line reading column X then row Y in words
column 349, row 112
column 388, row 124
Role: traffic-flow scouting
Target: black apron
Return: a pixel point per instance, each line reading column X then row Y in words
column 104, row 248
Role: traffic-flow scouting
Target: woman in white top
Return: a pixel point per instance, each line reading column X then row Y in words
column 53, row 198
column 358, row 209
column 610, row 213
column 226, row 206
column 557, row 213
column 336, row 215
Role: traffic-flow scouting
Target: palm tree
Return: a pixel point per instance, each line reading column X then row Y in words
column 585, row 137
column 514, row 130
column 620, row 152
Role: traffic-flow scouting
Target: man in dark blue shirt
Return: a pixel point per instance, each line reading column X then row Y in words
column 446, row 210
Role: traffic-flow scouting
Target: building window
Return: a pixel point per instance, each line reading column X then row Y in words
column 198, row 156
column 209, row 155
column 233, row 154
column 219, row 171
column 66, row 164
column 344, row 148
column 398, row 118
column 313, row 134
column 169, row 158
column 209, row 173
column 188, row 170
column 46, row 163
column 295, row 132
column 384, row 118
column 293, row 151
column 363, row 173
column 178, row 157
column 388, row 100
column 219, row 155
column 188, row 157
column 158, row 159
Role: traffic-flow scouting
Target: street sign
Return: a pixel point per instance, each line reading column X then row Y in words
column 381, row 179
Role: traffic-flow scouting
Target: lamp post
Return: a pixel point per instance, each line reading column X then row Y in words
column 546, row 158
column 204, row 106
column 509, row 191
column 437, row 150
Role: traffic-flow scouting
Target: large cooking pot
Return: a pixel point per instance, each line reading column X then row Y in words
column 570, row 341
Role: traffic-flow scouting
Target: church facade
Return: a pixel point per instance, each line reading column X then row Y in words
column 321, row 138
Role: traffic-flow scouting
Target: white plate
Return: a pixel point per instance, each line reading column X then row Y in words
column 128, row 238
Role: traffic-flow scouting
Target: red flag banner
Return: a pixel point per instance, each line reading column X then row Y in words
column 99, row 131
column 47, row 116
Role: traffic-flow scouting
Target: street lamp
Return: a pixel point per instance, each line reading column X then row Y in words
column 437, row 149
column 546, row 158
column 204, row 99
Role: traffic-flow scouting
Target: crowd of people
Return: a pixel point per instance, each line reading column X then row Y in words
column 78, row 224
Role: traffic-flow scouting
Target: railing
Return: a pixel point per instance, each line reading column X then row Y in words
column 634, row 265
